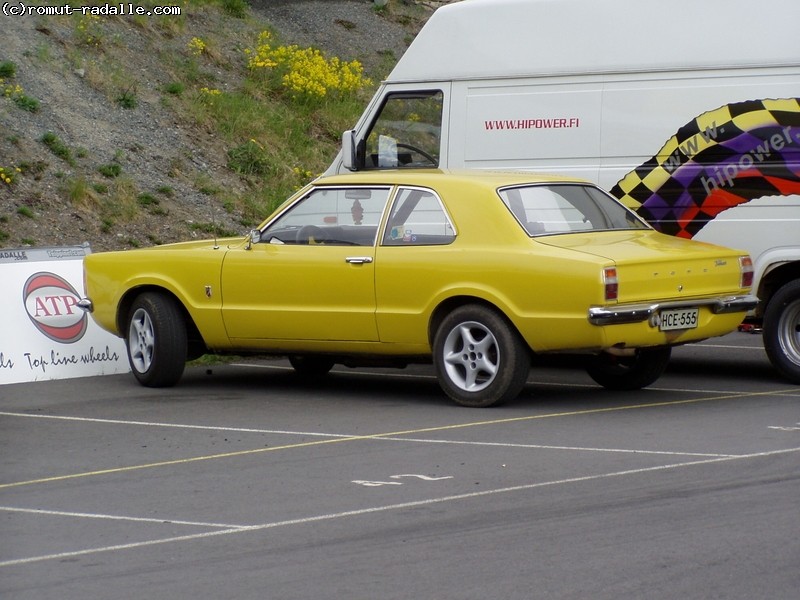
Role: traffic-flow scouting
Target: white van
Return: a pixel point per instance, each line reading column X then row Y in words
column 687, row 111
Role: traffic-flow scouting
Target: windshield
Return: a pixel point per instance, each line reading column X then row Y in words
column 544, row 209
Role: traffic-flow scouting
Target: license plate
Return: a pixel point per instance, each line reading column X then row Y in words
column 682, row 318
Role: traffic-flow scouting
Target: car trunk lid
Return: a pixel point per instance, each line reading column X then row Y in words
column 646, row 266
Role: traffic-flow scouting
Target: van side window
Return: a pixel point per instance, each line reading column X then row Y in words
column 407, row 132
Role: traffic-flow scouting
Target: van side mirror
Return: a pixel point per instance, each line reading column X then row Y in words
column 350, row 151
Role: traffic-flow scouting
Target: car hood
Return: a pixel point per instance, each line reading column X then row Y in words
column 651, row 264
column 221, row 243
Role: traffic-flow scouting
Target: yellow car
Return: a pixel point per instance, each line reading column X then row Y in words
column 478, row 272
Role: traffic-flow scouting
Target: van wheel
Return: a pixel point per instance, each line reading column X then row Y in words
column 629, row 372
column 480, row 359
column 156, row 342
column 782, row 331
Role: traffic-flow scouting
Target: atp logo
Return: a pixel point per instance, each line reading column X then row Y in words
column 51, row 303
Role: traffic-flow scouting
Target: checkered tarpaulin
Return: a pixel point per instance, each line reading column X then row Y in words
column 721, row 159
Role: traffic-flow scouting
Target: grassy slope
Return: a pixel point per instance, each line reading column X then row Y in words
column 128, row 131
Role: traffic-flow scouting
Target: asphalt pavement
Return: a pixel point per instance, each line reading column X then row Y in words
column 245, row 482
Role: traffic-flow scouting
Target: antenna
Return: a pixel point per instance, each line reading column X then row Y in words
column 214, row 223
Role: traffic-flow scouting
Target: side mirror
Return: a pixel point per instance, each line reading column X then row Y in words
column 349, row 150
column 255, row 238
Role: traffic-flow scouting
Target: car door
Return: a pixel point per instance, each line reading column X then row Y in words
column 416, row 261
column 311, row 276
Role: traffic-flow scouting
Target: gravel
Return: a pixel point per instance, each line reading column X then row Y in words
column 155, row 148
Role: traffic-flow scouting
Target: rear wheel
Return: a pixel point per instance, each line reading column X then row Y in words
column 157, row 344
column 782, row 331
column 634, row 372
column 480, row 359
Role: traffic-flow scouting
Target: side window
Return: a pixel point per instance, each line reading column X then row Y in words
column 407, row 132
column 332, row 216
column 546, row 209
column 418, row 219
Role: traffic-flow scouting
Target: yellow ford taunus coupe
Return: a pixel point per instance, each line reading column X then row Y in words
column 479, row 272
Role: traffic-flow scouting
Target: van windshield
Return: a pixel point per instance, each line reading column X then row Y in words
column 407, row 132
column 545, row 209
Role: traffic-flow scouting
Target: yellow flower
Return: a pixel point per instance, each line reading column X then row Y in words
column 305, row 72
column 196, row 46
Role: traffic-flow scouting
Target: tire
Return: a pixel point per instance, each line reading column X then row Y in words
column 629, row 372
column 311, row 367
column 156, row 341
column 782, row 331
column 480, row 359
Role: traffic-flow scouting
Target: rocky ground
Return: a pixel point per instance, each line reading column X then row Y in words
column 162, row 154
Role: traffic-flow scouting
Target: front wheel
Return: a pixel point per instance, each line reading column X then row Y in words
column 634, row 372
column 157, row 342
column 480, row 359
column 782, row 331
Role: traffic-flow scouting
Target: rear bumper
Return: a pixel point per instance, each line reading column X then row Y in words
column 636, row 313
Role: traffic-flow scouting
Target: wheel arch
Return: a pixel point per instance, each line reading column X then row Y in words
column 193, row 334
column 448, row 305
column 775, row 277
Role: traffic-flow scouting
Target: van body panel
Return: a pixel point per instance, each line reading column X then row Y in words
column 698, row 132
column 490, row 39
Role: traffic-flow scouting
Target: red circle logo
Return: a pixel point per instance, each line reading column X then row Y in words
column 51, row 303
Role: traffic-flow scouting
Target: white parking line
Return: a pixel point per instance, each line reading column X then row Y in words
column 577, row 448
column 59, row 513
column 534, row 382
column 729, row 347
column 344, row 436
column 385, row 508
column 173, row 425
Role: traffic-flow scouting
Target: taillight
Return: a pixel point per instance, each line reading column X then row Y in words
column 610, row 283
column 745, row 272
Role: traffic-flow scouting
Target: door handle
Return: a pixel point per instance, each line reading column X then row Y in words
column 358, row 260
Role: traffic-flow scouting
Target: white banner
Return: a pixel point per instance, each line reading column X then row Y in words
column 44, row 335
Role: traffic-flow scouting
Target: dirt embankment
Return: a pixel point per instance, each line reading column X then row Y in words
column 176, row 177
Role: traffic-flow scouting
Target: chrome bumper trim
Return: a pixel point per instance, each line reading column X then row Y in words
column 85, row 304
column 636, row 313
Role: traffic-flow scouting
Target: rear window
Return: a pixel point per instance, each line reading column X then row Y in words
column 544, row 209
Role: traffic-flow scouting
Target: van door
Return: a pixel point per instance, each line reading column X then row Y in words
column 409, row 129
column 543, row 124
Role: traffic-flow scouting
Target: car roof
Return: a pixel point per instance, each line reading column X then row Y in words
column 438, row 177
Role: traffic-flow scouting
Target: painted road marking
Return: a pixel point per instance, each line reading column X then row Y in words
column 355, row 438
column 387, row 508
column 533, row 382
column 59, row 513
column 174, row 425
column 382, row 483
column 784, row 428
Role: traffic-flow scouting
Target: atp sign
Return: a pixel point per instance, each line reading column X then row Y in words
column 51, row 304
column 44, row 335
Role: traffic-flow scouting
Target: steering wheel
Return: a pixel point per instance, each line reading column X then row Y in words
column 419, row 151
column 310, row 232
